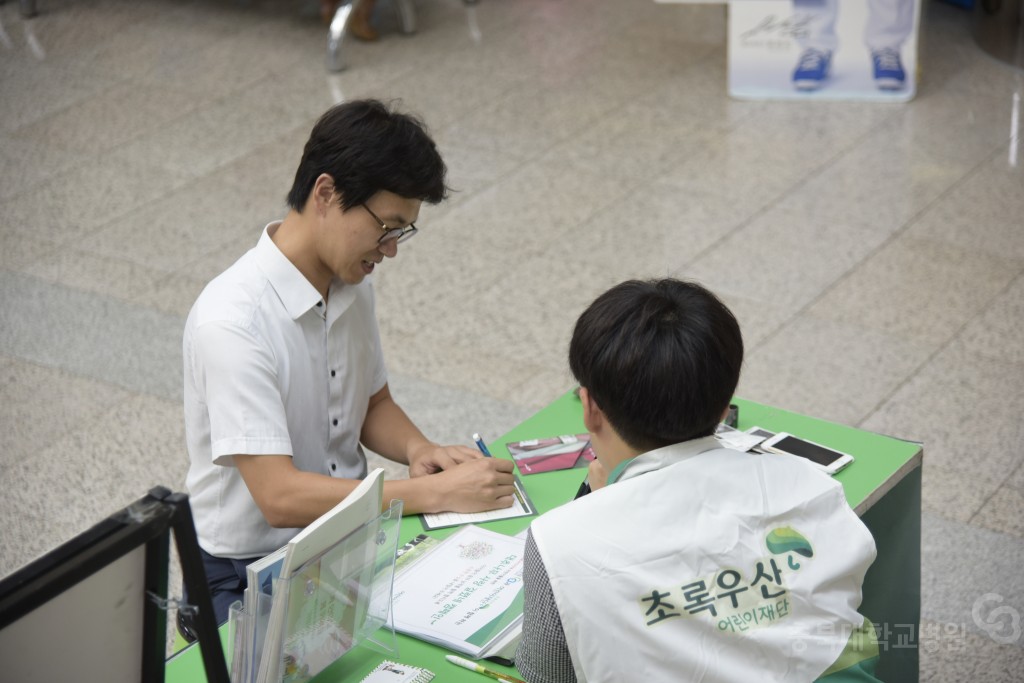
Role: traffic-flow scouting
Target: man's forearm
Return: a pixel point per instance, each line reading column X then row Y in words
column 388, row 431
column 289, row 498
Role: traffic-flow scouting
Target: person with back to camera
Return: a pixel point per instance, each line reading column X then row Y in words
column 689, row 561
column 283, row 368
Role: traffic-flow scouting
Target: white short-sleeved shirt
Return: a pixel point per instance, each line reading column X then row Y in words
column 273, row 369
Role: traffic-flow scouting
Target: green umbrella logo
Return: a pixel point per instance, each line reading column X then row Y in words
column 788, row 540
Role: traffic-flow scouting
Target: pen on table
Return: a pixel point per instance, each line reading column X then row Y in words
column 483, row 449
column 473, row 666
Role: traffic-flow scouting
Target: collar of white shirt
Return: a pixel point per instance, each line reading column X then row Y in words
column 296, row 292
column 663, row 457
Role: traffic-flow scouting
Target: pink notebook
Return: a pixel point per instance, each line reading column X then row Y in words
column 556, row 453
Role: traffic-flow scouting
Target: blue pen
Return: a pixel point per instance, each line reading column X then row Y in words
column 481, row 445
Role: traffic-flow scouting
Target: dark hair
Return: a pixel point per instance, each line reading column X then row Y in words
column 368, row 147
column 660, row 358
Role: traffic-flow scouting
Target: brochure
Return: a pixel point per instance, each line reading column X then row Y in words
column 395, row 672
column 464, row 594
column 311, row 628
column 259, row 592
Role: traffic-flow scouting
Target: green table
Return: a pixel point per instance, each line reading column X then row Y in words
column 883, row 485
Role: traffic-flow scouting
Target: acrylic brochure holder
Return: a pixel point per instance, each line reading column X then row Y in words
column 339, row 600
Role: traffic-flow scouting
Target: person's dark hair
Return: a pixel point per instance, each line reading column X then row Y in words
column 660, row 358
column 366, row 146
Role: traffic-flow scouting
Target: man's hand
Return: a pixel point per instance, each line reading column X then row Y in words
column 431, row 458
column 597, row 475
column 475, row 485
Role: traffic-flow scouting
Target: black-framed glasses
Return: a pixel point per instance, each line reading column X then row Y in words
column 398, row 234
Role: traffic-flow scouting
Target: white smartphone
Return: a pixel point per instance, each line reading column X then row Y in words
column 760, row 432
column 825, row 458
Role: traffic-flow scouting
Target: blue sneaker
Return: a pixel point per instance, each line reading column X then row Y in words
column 889, row 73
column 812, row 69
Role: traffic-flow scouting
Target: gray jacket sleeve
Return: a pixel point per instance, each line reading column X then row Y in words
column 543, row 655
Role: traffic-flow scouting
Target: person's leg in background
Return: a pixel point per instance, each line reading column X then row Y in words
column 817, row 41
column 359, row 23
column 888, row 27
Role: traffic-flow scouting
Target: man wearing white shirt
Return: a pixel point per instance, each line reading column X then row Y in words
column 284, row 375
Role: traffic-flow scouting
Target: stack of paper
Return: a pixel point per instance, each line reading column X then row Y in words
column 465, row 593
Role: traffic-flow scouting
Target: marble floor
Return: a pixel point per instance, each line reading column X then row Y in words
column 874, row 253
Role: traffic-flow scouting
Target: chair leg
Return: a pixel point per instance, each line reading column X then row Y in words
column 336, row 37
column 406, row 16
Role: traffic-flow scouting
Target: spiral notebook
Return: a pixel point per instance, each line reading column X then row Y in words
column 393, row 672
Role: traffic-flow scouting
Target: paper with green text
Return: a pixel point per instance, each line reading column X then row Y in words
column 465, row 594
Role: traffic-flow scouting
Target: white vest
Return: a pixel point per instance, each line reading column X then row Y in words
column 707, row 564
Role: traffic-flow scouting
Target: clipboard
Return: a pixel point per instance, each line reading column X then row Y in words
column 521, row 507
